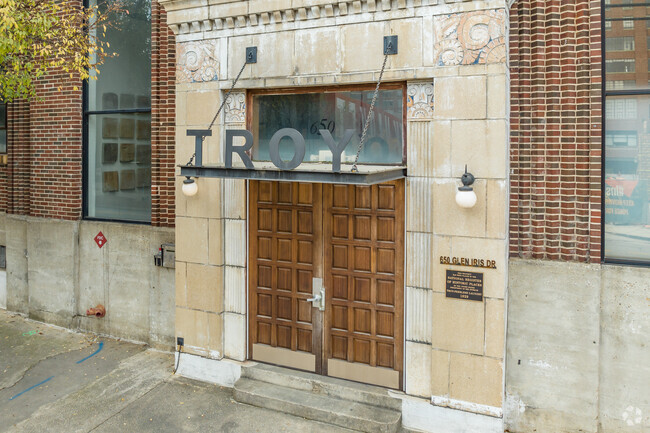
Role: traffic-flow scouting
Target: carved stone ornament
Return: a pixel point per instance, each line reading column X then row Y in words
column 419, row 100
column 197, row 62
column 470, row 38
column 235, row 108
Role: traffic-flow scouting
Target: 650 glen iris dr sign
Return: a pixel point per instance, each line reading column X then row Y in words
column 297, row 140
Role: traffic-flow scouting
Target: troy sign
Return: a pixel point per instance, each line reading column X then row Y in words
column 274, row 147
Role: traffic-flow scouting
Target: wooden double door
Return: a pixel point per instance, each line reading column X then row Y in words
column 326, row 279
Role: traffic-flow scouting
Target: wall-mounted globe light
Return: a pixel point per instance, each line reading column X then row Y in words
column 190, row 188
column 465, row 196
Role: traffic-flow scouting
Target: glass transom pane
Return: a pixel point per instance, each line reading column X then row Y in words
column 336, row 112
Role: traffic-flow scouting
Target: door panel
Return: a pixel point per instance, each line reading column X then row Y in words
column 364, row 260
column 285, row 255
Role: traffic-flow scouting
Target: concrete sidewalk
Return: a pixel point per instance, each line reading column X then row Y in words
column 55, row 380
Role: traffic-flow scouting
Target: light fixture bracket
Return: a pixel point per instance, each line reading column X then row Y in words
column 467, row 179
column 390, row 45
column 251, row 55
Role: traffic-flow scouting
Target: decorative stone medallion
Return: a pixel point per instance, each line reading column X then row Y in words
column 470, row 38
column 197, row 61
column 419, row 100
column 235, row 108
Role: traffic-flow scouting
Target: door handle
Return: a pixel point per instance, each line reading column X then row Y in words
column 315, row 298
column 319, row 300
column 318, row 294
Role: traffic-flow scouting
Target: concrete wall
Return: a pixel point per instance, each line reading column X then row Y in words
column 577, row 348
column 56, row 271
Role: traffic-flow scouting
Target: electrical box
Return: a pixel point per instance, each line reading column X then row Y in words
column 3, row 257
column 168, row 255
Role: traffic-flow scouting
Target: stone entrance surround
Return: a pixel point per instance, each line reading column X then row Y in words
column 452, row 55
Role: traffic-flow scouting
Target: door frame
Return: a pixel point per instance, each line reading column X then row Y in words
column 320, row 365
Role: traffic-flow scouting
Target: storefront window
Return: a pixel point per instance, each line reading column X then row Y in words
column 335, row 111
column 118, row 111
column 627, row 133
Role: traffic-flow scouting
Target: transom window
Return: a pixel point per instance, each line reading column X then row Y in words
column 335, row 110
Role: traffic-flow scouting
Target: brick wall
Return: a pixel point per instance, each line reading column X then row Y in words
column 43, row 176
column 163, row 118
column 556, row 127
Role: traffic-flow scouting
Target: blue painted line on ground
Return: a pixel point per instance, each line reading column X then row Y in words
column 101, row 346
column 31, row 387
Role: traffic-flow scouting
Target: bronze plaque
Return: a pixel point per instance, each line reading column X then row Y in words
column 465, row 285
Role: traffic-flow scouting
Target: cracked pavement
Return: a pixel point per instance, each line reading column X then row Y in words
column 55, row 380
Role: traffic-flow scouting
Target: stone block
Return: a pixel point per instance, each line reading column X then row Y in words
column 257, row 6
column 215, row 335
column 494, row 328
column 235, row 289
column 497, row 209
column 317, row 51
column 482, row 146
column 235, row 242
column 410, row 48
column 201, row 107
column 192, row 325
column 465, row 222
column 181, row 284
column 494, row 280
column 418, row 315
column 234, row 204
column 205, row 287
column 460, row 97
column 476, row 379
column 441, row 145
column 498, row 96
column 234, row 336
column 207, row 202
column 418, row 365
column 441, row 246
column 358, row 41
column 278, row 48
column 418, row 259
column 458, row 325
column 192, row 239
column 419, row 149
column 440, row 373
column 215, row 242
column 237, row 55
column 419, row 217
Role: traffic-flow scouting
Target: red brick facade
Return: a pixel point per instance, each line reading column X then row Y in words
column 556, row 130
column 163, row 120
column 43, row 176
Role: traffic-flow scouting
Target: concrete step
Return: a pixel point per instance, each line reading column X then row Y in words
column 318, row 407
column 323, row 385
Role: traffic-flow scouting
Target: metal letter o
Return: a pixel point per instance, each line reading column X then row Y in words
column 298, row 145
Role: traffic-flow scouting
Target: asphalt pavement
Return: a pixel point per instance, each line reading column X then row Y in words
column 55, row 380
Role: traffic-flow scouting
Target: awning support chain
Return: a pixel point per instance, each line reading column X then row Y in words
column 370, row 112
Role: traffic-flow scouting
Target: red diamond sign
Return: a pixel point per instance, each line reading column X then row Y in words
column 100, row 240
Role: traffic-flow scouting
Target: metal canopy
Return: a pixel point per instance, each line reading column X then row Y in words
column 307, row 172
